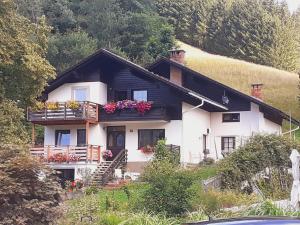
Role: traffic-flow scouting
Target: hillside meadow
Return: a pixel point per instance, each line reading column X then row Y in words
column 280, row 87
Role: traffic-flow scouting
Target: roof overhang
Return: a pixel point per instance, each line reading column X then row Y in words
column 247, row 97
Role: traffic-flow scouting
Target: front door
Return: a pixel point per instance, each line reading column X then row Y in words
column 115, row 140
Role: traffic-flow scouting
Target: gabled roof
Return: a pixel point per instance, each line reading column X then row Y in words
column 246, row 97
column 103, row 52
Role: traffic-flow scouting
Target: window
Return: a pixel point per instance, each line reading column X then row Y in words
column 150, row 136
column 80, row 94
column 62, row 137
column 81, row 137
column 228, row 144
column 139, row 95
column 231, row 117
column 120, row 95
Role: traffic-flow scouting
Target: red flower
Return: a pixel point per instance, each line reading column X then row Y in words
column 143, row 107
column 110, row 107
column 73, row 184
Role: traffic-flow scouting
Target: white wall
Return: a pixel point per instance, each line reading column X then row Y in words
column 79, row 169
column 251, row 122
column 172, row 135
column 97, row 134
column 195, row 125
column 97, row 92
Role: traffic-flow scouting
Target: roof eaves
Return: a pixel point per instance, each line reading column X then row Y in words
column 165, row 80
column 250, row 98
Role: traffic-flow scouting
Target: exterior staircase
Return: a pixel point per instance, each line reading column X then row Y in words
column 105, row 170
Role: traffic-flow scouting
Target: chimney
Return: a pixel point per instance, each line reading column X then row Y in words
column 256, row 91
column 176, row 55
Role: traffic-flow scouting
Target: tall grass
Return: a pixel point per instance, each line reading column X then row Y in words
column 268, row 208
column 280, row 87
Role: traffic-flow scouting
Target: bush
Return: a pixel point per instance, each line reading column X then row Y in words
column 259, row 153
column 91, row 190
column 29, row 192
column 168, row 190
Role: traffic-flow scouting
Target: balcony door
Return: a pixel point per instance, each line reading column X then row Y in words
column 115, row 140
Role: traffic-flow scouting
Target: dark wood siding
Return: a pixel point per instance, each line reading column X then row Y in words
column 159, row 93
column 215, row 92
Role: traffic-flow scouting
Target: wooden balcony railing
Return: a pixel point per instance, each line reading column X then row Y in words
column 157, row 112
column 87, row 111
column 67, row 154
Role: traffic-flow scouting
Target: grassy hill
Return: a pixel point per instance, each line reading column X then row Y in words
column 280, row 87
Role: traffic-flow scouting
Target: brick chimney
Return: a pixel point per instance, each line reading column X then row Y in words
column 176, row 55
column 256, row 91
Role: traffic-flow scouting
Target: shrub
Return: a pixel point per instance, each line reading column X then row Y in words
column 162, row 153
column 168, row 190
column 29, row 192
column 91, row 190
column 260, row 152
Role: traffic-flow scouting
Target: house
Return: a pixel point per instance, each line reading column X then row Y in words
column 202, row 117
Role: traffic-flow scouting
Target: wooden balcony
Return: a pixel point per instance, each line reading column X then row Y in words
column 86, row 112
column 67, row 154
column 157, row 112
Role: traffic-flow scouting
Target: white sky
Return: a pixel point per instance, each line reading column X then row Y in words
column 293, row 4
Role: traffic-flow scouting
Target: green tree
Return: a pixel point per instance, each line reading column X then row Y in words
column 58, row 12
column 102, row 19
column 24, row 69
column 67, row 49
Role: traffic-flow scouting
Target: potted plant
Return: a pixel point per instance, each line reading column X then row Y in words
column 143, row 107
column 58, row 157
column 147, row 149
column 39, row 106
column 107, row 154
column 110, row 107
column 74, row 105
column 52, row 105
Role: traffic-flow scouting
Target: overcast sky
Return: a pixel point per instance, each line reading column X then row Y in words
column 293, row 4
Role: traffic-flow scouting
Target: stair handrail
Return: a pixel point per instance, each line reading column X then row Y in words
column 116, row 161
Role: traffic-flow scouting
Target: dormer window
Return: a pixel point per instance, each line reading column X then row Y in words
column 231, row 117
column 140, row 95
column 80, row 94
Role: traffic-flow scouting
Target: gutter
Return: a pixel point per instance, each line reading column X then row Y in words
column 207, row 100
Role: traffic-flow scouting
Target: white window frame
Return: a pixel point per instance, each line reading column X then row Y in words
column 78, row 88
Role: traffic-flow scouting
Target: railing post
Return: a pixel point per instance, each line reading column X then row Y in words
column 46, row 111
column 65, row 111
column 91, row 150
column 87, row 110
column 99, row 158
column 97, row 112
column 48, row 153
column 68, row 151
column 87, row 154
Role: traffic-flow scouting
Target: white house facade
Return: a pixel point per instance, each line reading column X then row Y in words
column 202, row 117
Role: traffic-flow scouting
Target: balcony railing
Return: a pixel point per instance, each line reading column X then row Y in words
column 157, row 112
column 87, row 111
column 67, row 154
